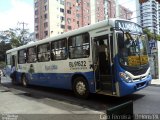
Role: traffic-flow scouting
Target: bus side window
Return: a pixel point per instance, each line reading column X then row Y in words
column 31, row 54
column 79, row 46
column 52, row 55
column 22, row 56
column 44, row 52
column 58, row 50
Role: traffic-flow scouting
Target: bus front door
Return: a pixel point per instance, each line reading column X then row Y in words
column 103, row 63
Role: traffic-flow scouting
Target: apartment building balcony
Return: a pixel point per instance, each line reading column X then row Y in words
column 154, row 15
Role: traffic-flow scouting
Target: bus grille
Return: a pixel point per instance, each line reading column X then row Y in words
column 138, row 72
column 140, row 84
column 140, row 78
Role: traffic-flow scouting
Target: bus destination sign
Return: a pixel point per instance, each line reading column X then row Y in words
column 128, row 26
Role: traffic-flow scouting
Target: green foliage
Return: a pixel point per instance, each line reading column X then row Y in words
column 149, row 34
column 2, row 64
column 14, row 36
column 3, row 48
column 158, row 37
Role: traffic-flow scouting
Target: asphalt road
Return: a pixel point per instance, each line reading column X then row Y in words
column 145, row 101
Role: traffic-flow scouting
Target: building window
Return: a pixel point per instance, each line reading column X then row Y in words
column 22, row 56
column 36, row 28
column 79, row 46
column 62, row 2
column 69, row 11
column 36, row 12
column 45, row 1
column 43, row 52
column 37, row 36
column 78, row 8
column 69, row 27
column 68, row 4
column 36, row 20
column 62, row 18
column 45, row 33
column 62, row 26
column 78, row 16
column 31, row 54
column 45, row 24
column 59, row 50
column 69, row 20
column 36, row 4
column 78, row 1
column 78, row 23
column 88, row 4
column 61, row 10
column 45, row 16
column 45, row 8
column 87, row 11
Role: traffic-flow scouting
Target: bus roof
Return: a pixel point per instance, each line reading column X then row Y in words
column 110, row 22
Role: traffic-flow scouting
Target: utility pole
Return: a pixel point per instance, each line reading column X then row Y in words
column 23, row 24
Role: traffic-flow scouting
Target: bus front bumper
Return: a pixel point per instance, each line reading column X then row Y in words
column 129, row 88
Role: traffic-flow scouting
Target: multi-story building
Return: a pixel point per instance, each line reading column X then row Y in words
column 49, row 20
column 77, row 14
column 104, row 9
column 149, row 15
column 54, row 17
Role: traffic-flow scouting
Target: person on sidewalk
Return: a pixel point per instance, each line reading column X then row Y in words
column 13, row 74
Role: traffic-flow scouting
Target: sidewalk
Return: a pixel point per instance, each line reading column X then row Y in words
column 15, row 106
column 155, row 82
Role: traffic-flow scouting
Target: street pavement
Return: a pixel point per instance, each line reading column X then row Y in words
column 14, row 105
column 12, row 102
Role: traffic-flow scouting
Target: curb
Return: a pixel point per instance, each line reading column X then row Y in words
column 156, row 85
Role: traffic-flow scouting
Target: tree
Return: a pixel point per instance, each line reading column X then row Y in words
column 148, row 32
column 151, row 35
column 16, row 37
column 3, row 48
column 158, row 37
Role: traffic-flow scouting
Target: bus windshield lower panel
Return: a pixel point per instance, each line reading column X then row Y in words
column 132, row 50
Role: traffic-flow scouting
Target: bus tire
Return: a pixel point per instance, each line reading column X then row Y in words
column 24, row 80
column 80, row 88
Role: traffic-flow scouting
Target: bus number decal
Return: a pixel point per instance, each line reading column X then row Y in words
column 76, row 65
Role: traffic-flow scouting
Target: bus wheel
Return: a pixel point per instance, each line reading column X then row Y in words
column 24, row 81
column 80, row 87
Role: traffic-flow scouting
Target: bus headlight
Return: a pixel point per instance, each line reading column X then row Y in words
column 125, row 77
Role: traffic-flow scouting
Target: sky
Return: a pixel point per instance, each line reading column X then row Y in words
column 13, row 12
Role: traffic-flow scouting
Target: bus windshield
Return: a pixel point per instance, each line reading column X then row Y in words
column 132, row 49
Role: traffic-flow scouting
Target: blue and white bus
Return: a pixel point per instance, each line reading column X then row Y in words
column 72, row 60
